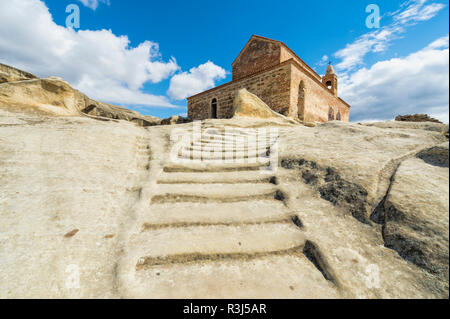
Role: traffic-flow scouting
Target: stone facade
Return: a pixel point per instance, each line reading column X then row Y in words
column 270, row 70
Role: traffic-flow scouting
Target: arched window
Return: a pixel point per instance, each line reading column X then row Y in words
column 329, row 84
column 338, row 116
column 214, row 108
column 330, row 114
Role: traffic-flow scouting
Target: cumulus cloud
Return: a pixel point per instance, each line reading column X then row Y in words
column 99, row 63
column 198, row 79
column 93, row 4
column 410, row 13
column 417, row 83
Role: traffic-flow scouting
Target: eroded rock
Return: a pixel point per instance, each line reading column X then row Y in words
column 53, row 96
column 246, row 104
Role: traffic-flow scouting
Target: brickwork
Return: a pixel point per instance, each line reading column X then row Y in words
column 317, row 98
column 270, row 70
column 272, row 86
column 257, row 55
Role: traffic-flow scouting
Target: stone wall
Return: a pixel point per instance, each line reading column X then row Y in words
column 280, row 88
column 272, row 86
column 256, row 56
column 317, row 98
column 286, row 54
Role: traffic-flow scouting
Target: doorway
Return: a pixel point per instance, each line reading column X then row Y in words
column 214, row 108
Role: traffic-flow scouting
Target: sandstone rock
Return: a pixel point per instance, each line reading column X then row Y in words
column 65, row 184
column 415, row 216
column 54, row 96
column 416, row 118
column 176, row 119
column 309, row 124
column 428, row 126
column 247, row 104
column 141, row 226
column 10, row 74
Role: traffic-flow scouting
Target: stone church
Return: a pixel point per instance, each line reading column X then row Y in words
column 273, row 72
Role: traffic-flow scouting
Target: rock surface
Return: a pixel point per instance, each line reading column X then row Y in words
column 110, row 210
column 25, row 92
column 250, row 207
column 246, row 104
column 176, row 119
column 416, row 118
column 415, row 219
column 10, row 74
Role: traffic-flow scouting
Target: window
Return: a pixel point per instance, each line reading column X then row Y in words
column 338, row 116
column 214, row 108
column 330, row 114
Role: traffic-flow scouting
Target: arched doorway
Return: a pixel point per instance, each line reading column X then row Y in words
column 338, row 116
column 330, row 114
column 214, row 108
column 301, row 100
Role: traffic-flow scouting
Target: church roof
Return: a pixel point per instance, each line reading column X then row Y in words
column 277, row 42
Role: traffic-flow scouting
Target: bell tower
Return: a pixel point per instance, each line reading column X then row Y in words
column 330, row 80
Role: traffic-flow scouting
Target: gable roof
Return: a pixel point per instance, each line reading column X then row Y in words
column 276, row 42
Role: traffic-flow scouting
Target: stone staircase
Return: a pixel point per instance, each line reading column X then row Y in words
column 218, row 228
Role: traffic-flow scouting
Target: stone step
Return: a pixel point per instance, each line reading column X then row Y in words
column 254, row 143
column 276, row 274
column 215, row 177
column 214, row 148
column 214, row 157
column 177, row 214
column 192, row 166
column 152, row 246
column 236, row 138
column 170, row 193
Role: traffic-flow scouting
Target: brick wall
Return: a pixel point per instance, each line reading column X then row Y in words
column 258, row 55
column 272, row 86
column 286, row 54
column 317, row 98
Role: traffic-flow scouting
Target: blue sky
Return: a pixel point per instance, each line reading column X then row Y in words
column 176, row 40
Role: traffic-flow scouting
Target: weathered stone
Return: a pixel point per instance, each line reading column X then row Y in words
column 176, row 119
column 415, row 213
column 10, row 74
column 249, row 105
column 294, row 227
column 416, row 118
column 54, row 96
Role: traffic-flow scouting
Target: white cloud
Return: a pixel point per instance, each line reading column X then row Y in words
column 415, row 11
column 418, row 83
column 93, row 4
column 99, row 63
column 323, row 61
column 198, row 79
column 410, row 13
column 439, row 43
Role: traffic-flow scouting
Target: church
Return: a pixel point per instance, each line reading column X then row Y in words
column 273, row 72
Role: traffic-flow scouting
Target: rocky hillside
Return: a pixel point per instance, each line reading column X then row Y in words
column 98, row 209
column 53, row 96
